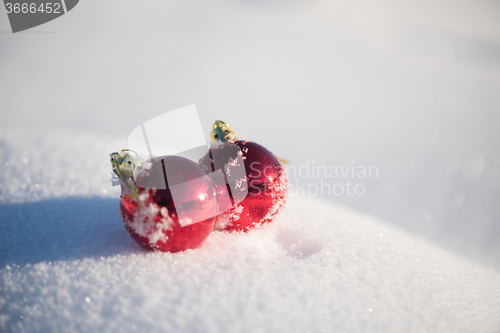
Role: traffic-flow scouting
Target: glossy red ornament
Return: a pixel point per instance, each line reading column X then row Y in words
column 177, row 217
column 264, row 179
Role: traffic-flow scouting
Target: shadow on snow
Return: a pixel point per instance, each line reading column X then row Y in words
column 62, row 229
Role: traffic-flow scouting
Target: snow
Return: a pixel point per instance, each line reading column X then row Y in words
column 68, row 264
column 410, row 88
column 38, row 165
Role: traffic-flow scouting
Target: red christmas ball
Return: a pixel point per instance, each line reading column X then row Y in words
column 256, row 195
column 173, row 207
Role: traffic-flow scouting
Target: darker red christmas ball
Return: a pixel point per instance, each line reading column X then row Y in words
column 250, row 197
column 171, row 205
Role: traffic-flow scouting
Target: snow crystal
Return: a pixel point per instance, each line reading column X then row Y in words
column 146, row 222
column 224, row 219
column 279, row 196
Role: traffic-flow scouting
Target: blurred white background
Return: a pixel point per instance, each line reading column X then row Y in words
column 412, row 87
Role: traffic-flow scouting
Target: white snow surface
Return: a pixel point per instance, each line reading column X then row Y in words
column 411, row 87
column 67, row 263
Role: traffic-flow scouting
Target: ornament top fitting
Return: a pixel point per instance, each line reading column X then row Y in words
column 125, row 166
column 223, row 132
column 123, row 163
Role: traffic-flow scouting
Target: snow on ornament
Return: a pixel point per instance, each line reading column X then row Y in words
column 167, row 203
column 258, row 192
